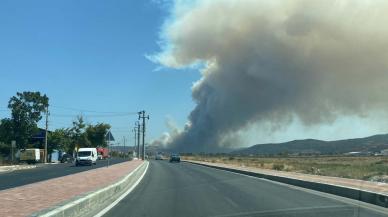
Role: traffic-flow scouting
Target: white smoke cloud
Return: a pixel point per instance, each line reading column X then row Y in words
column 167, row 137
column 270, row 61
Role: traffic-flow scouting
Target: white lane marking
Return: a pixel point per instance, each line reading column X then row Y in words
column 231, row 202
column 214, row 188
column 106, row 209
column 278, row 212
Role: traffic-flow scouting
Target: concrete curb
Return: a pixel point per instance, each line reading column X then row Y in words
column 92, row 203
column 352, row 193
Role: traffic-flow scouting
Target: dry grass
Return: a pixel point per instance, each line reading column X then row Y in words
column 364, row 168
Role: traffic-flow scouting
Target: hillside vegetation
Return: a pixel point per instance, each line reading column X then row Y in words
column 370, row 144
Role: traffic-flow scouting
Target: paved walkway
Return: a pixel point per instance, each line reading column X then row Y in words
column 31, row 198
column 381, row 188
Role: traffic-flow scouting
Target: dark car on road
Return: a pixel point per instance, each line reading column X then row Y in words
column 175, row 158
column 67, row 158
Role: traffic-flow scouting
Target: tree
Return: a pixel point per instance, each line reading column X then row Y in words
column 60, row 139
column 6, row 131
column 5, row 136
column 79, row 135
column 96, row 134
column 26, row 111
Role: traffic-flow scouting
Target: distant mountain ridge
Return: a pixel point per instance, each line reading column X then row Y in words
column 372, row 144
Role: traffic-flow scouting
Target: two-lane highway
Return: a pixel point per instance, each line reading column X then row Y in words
column 46, row 171
column 184, row 189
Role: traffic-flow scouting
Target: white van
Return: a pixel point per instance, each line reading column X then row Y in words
column 30, row 156
column 86, row 156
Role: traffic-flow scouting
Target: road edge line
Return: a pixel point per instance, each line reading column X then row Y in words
column 300, row 187
column 106, row 209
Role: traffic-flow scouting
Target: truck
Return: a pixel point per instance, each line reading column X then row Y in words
column 103, row 153
column 86, row 156
column 30, row 156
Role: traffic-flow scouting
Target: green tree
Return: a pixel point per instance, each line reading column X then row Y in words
column 26, row 111
column 79, row 135
column 5, row 136
column 6, row 131
column 96, row 134
column 60, row 139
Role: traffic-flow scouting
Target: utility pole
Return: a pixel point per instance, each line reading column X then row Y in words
column 143, row 116
column 124, row 146
column 138, row 139
column 107, row 136
column 135, row 145
column 45, row 136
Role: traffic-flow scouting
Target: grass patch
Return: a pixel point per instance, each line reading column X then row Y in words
column 363, row 168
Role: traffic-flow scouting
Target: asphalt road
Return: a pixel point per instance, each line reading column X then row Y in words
column 44, row 172
column 184, row 189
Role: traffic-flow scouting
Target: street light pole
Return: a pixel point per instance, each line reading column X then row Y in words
column 46, row 136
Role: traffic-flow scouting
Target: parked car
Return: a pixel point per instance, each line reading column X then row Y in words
column 67, row 158
column 175, row 158
column 86, row 156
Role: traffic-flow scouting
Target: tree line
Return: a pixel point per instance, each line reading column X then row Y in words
column 27, row 109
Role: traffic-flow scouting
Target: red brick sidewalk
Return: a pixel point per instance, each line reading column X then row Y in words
column 28, row 199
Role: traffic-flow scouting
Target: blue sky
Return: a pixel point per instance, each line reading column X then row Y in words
column 90, row 55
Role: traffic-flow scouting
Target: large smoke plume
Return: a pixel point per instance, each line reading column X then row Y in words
column 270, row 61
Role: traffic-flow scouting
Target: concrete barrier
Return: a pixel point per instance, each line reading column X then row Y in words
column 92, row 203
column 343, row 191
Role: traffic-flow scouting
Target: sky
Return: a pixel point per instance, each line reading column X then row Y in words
column 90, row 55
column 194, row 66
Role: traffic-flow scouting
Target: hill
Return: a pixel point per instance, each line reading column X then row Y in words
column 371, row 144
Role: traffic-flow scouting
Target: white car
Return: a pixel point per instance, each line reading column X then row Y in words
column 158, row 157
column 86, row 156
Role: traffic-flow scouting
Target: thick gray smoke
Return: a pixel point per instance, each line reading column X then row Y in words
column 269, row 61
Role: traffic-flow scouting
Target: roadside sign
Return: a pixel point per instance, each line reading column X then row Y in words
column 13, row 144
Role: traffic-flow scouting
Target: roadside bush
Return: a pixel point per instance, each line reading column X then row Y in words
column 5, row 149
column 278, row 167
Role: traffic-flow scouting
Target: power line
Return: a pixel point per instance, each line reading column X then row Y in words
column 92, row 111
column 87, row 115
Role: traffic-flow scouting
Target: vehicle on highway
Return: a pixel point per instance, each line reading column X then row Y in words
column 30, row 156
column 67, row 158
column 175, row 158
column 102, row 153
column 158, row 157
column 86, row 156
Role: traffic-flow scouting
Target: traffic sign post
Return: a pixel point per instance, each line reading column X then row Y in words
column 109, row 137
column 13, row 145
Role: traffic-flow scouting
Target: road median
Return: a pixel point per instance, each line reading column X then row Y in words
column 92, row 203
column 79, row 194
column 369, row 192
